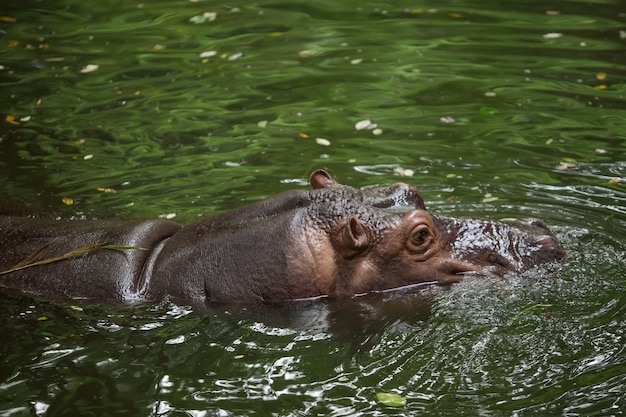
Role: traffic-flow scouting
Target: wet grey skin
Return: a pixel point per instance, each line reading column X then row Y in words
column 332, row 240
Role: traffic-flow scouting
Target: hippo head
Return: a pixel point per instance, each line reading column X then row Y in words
column 384, row 238
column 338, row 240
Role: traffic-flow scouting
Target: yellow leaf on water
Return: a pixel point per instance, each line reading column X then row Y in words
column 106, row 190
column 68, row 201
column 12, row 119
column 13, row 43
column 7, row 19
column 600, row 87
column 42, row 318
column 601, row 75
column 390, row 399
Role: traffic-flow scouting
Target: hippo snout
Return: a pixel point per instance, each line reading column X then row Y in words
column 500, row 247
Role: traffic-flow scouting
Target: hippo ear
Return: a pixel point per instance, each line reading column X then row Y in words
column 322, row 179
column 352, row 237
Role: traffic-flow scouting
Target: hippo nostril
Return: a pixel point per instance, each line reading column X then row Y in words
column 544, row 240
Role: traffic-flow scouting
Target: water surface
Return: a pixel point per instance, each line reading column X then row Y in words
column 190, row 109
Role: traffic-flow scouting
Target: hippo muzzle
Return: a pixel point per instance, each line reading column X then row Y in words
column 493, row 248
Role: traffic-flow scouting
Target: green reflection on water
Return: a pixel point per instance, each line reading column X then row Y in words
column 174, row 130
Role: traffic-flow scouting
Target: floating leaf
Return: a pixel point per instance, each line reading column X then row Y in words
column 89, row 68
column 14, row 120
column 403, row 171
column 365, row 124
column 208, row 54
column 391, row 400
column 488, row 111
column 68, row 201
column 322, row 141
column 106, row 190
column 205, row 17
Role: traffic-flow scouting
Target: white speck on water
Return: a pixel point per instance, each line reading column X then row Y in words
column 365, row 125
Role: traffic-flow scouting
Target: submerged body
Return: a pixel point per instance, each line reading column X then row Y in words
column 331, row 240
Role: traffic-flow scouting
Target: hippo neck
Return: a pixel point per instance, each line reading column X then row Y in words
column 147, row 272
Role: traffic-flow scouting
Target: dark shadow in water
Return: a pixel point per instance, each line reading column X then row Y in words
column 361, row 320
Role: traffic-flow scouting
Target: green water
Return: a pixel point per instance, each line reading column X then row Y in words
column 497, row 109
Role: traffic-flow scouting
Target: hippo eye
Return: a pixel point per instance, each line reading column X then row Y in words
column 421, row 237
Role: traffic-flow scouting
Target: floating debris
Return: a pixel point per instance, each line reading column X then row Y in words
column 88, row 157
column 67, row 200
column 390, row 400
column 447, row 119
column 14, row 120
column 89, row 68
column 202, row 18
column 208, row 54
column 235, row 56
column 566, row 163
column 553, row 35
column 403, row 172
column 365, row 125
column 322, row 141
column 488, row 198
column 106, row 190
column 167, row 216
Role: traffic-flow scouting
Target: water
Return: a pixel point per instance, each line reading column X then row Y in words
column 497, row 109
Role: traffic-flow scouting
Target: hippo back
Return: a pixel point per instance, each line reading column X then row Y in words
column 104, row 274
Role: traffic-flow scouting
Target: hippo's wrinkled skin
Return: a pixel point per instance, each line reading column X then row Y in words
column 330, row 240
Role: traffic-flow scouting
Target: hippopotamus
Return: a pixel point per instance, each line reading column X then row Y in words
column 330, row 240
